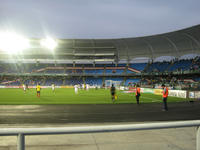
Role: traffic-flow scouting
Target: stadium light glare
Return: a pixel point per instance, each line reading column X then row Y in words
column 48, row 43
column 12, row 42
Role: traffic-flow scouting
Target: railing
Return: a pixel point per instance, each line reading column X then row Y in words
column 22, row 132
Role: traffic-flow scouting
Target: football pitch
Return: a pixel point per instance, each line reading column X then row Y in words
column 68, row 96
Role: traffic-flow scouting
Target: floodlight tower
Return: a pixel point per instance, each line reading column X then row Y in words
column 49, row 43
column 13, row 43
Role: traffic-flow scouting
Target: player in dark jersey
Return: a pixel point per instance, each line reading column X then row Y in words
column 112, row 91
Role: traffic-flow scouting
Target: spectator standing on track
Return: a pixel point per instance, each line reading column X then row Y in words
column 165, row 95
column 137, row 93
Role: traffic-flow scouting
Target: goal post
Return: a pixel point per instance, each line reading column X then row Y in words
column 108, row 83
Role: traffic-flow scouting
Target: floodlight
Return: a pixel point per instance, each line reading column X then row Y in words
column 12, row 43
column 49, row 43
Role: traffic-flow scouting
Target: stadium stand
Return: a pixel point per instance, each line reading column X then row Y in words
column 114, row 79
column 158, row 67
column 138, row 66
column 131, row 81
column 109, row 65
column 109, row 71
column 121, row 65
column 73, row 81
column 91, row 71
column 99, row 65
column 109, row 59
column 181, row 65
column 99, row 71
column 94, row 81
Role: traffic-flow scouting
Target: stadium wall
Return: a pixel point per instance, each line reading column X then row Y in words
column 174, row 93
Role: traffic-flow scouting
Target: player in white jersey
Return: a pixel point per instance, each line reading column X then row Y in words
column 76, row 89
column 24, row 88
column 53, row 87
column 87, row 87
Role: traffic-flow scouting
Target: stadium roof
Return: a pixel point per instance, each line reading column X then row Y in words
column 177, row 44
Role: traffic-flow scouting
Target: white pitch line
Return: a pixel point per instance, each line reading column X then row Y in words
column 154, row 100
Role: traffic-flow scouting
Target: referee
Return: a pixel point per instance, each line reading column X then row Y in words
column 113, row 91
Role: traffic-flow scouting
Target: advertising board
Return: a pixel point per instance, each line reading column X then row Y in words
column 147, row 90
column 197, row 94
column 14, row 87
column 158, row 91
column 178, row 93
column 66, row 87
column 191, row 94
column 194, row 94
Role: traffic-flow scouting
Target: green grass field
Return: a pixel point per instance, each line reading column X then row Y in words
column 68, row 96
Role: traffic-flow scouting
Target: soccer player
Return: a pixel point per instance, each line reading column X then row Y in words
column 76, row 89
column 24, row 88
column 137, row 93
column 87, row 87
column 53, row 87
column 38, row 89
column 27, row 87
column 113, row 91
column 165, row 95
column 84, row 86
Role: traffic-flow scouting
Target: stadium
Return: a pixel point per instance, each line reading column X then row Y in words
column 82, row 93
column 170, row 58
column 93, row 66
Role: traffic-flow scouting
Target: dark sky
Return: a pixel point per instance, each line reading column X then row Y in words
column 97, row 18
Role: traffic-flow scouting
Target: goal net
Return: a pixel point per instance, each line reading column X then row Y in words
column 108, row 83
